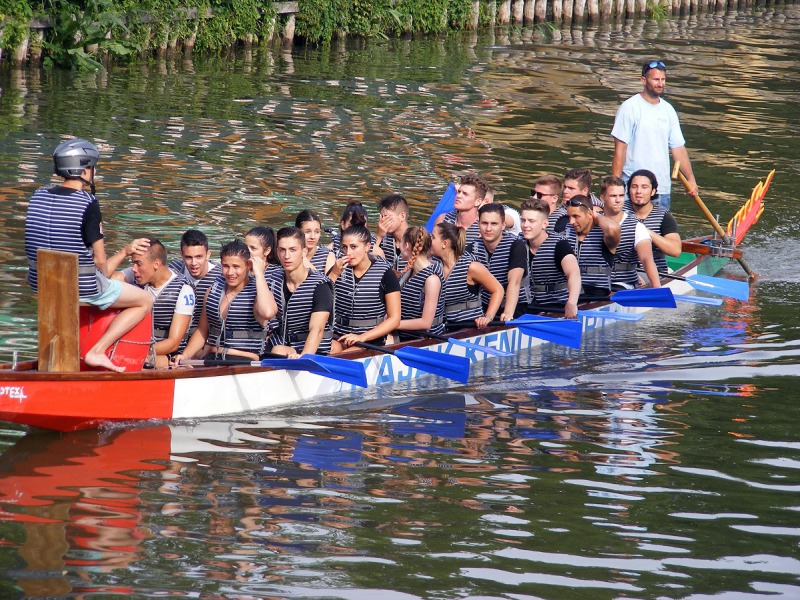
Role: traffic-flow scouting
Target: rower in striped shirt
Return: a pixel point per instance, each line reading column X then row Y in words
column 504, row 254
column 392, row 225
column 594, row 238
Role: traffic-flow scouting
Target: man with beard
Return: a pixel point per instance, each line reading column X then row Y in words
column 646, row 130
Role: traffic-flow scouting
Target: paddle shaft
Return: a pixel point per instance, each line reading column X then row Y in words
column 714, row 223
column 230, row 361
column 457, row 342
column 376, row 348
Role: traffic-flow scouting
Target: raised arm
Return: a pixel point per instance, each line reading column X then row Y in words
column 137, row 246
column 611, row 230
column 264, row 308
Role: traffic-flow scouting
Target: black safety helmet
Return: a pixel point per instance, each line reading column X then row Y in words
column 72, row 157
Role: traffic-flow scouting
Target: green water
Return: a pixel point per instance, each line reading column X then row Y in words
column 659, row 461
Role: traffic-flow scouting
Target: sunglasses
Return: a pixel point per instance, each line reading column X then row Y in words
column 577, row 203
column 540, row 195
column 655, row 64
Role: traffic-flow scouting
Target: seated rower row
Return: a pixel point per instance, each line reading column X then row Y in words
column 293, row 296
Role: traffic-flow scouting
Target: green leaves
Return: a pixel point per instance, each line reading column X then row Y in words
column 76, row 31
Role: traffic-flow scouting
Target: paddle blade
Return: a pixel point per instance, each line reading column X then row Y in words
column 652, row 297
column 613, row 316
column 341, row 369
column 446, row 204
column 732, row 288
column 558, row 331
column 444, row 365
column 295, row 364
column 699, row 300
column 480, row 348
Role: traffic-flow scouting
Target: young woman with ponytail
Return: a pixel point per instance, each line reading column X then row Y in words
column 464, row 276
column 421, row 285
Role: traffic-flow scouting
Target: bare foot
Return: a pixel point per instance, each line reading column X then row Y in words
column 99, row 359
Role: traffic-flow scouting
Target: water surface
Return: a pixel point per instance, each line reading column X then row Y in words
column 659, row 461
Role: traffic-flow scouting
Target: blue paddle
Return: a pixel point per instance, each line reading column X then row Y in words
column 651, row 297
column 437, row 363
column 558, row 331
column 349, row 371
column 732, row 288
column 446, row 204
column 457, row 342
column 698, row 300
column 589, row 314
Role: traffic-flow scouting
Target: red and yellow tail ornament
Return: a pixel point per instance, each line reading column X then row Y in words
column 751, row 211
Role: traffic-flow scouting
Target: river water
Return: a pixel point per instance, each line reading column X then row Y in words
column 662, row 460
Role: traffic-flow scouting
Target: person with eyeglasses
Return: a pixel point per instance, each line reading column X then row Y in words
column 647, row 130
column 472, row 190
column 547, row 188
column 594, row 239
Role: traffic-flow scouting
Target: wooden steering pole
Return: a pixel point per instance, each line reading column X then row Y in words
column 676, row 173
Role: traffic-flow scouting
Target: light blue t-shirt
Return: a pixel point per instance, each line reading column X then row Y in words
column 650, row 131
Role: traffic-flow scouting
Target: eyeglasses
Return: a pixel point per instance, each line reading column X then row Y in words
column 655, row 64
column 540, row 195
column 577, row 203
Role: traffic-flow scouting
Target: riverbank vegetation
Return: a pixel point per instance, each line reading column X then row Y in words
column 80, row 34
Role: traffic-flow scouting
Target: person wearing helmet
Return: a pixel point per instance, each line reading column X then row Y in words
column 66, row 217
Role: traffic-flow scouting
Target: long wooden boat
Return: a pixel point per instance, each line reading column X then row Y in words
column 72, row 401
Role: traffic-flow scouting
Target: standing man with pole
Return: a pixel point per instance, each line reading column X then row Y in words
column 646, row 131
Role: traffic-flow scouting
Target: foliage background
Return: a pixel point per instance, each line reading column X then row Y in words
column 85, row 31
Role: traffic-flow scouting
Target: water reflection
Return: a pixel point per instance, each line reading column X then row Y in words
column 458, row 480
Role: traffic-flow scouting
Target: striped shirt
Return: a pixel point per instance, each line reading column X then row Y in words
column 412, row 295
column 360, row 305
column 57, row 220
column 295, row 310
column 462, row 302
column 473, row 232
column 239, row 329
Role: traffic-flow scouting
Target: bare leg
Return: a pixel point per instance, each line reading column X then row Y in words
column 136, row 304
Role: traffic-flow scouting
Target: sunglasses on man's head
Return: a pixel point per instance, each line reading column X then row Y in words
column 655, row 64
column 577, row 203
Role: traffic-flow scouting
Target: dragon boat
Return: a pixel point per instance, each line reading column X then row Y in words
column 33, row 393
